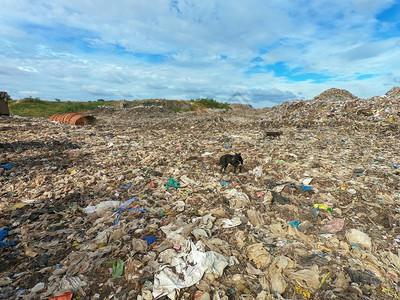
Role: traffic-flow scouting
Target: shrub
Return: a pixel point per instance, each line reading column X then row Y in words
column 74, row 106
column 176, row 109
column 211, row 103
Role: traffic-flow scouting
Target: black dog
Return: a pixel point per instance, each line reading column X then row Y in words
column 235, row 160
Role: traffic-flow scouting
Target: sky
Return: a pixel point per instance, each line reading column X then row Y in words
column 258, row 52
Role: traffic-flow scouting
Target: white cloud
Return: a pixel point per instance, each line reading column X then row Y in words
column 95, row 90
column 190, row 49
column 28, row 69
column 26, row 93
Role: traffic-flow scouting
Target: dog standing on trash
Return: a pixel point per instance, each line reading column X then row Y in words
column 235, row 160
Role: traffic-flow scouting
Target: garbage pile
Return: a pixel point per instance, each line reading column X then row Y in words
column 335, row 94
column 136, row 207
column 336, row 106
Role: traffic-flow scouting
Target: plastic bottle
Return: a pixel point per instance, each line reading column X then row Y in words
column 127, row 203
column 102, row 206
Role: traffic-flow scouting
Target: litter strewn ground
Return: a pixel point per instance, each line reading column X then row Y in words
column 136, row 207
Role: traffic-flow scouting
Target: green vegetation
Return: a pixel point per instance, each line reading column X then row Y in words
column 176, row 109
column 193, row 105
column 211, row 103
column 35, row 107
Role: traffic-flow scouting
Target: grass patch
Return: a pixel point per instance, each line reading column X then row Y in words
column 176, row 109
column 211, row 103
column 34, row 107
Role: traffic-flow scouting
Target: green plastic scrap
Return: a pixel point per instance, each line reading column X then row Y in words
column 172, row 183
column 148, row 284
column 117, row 268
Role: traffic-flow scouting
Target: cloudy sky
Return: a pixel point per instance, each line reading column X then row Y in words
column 255, row 51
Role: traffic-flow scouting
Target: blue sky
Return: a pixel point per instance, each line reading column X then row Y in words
column 256, row 52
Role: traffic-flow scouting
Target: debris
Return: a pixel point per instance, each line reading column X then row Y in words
column 333, row 226
column 302, row 291
column 38, row 287
column 172, row 184
column 360, row 238
column 67, row 296
column 309, row 277
column 101, row 207
column 295, row 224
column 280, row 199
column 323, row 206
column 259, row 255
column 306, row 188
column 3, row 235
column 273, row 133
column 117, row 268
column 142, row 189
column 363, row 277
column 7, row 166
column 313, row 259
column 325, row 278
column 149, row 239
column 193, row 266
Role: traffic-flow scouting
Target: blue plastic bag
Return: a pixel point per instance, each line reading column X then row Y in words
column 7, row 166
column 306, row 188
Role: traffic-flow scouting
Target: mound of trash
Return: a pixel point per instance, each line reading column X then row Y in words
column 335, row 94
column 158, row 104
column 335, row 107
column 136, row 206
column 394, row 93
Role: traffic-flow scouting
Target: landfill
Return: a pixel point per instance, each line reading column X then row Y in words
column 137, row 207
